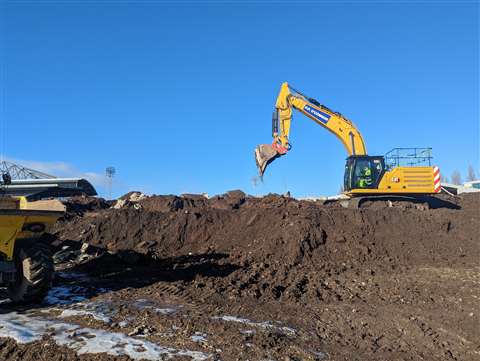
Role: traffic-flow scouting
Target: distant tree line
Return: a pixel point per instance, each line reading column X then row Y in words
column 456, row 176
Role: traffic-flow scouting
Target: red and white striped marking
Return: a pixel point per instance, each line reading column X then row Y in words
column 436, row 180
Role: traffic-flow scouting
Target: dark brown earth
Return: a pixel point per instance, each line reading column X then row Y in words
column 385, row 282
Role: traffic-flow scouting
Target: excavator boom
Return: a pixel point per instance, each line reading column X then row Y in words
column 289, row 99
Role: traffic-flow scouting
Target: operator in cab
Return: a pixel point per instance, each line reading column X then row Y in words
column 365, row 179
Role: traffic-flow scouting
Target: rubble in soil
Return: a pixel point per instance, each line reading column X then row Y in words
column 234, row 277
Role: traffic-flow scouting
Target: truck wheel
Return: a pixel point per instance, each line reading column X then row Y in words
column 34, row 277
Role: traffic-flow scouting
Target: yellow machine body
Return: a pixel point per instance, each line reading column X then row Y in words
column 403, row 180
column 20, row 219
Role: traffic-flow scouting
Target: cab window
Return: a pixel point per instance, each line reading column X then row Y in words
column 367, row 173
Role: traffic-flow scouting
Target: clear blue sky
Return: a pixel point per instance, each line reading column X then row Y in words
column 176, row 96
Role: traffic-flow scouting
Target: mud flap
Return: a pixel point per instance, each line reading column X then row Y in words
column 264, row 155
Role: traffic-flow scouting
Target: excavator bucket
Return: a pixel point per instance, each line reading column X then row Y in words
column 264, row 155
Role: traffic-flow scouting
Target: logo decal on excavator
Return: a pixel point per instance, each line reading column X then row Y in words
column 323, row 117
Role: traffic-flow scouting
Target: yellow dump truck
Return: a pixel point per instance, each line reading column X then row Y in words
column 26, row 264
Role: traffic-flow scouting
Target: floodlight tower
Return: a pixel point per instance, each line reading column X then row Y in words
column 110, row 172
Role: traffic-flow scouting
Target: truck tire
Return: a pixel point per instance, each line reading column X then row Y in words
column 35, row 270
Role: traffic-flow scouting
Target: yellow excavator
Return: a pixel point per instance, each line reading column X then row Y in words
column 402, row 171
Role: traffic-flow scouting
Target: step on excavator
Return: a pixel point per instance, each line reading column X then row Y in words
column 403, row 173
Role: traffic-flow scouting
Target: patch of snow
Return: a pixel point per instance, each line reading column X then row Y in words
column 25, row 329
column 166, row 310
column 123, row 323
column 97, row 316
column 65, row 295
column 265, row 325
column 99, row 310
column 199, row 337
column 320, row 355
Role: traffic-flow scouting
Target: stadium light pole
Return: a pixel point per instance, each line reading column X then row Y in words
column 110, row 172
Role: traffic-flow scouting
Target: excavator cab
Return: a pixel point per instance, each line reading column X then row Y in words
column 363, row 172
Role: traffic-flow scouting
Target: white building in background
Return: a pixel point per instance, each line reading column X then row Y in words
column 473, row 184
column 467, row 187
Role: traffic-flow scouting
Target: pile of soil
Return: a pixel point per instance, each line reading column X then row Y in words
column 386, row 281
column 283, row 234
column 79, row 205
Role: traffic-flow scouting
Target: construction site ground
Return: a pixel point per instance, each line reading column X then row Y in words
column 243, row 278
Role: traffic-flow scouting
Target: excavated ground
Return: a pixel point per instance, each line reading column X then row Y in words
column 243, row 278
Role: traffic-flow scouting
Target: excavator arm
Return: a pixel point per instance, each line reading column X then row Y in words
column 289, row 99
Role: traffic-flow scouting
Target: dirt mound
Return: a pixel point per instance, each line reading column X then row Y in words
column 228, row 201
column 387, row 281
column 285, row 244
column 78, row 206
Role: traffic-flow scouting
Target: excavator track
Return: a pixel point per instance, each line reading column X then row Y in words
column 422, row 201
